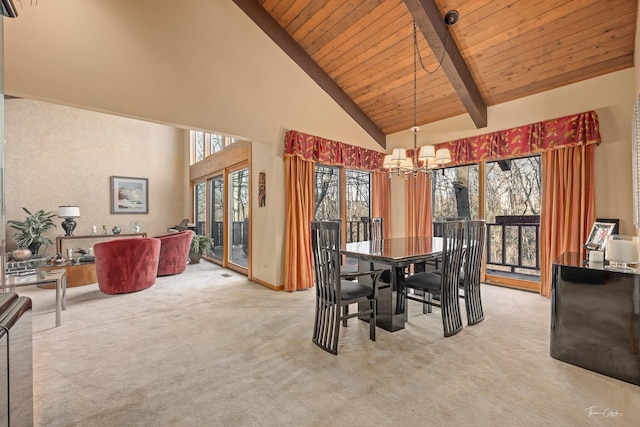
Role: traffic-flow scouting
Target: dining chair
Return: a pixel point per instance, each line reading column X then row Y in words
column 444, row 285
column 334, row 294
column 372, row 228
column 349, row 269
column 475, row 235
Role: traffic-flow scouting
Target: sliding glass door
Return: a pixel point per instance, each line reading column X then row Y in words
column 513, row 200
column 216, row 186
column 238, row 227
column 200, row 202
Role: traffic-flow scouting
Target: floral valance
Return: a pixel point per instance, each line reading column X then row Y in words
column 333, row 153
column 569, row 131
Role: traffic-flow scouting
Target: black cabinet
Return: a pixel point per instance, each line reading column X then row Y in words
column 595, row 318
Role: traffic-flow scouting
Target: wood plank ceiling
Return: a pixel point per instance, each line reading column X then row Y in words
column 512, row 49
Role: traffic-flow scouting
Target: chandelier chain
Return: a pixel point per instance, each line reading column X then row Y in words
column 444, row 51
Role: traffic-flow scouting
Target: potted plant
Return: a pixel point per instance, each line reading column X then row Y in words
column 31, row 231
column 199, row 245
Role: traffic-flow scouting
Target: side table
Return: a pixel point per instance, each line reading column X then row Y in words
column 58, row 277
column 84, row 238
column 77, row 274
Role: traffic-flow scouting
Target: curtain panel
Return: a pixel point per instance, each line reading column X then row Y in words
column 333, row 153
column 301, row 152
column 418, row 205
column 380, row 205
column 299, row 188
column 570, row 131
column 568, row 207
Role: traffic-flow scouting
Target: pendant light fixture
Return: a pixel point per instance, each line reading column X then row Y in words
column 398, row 162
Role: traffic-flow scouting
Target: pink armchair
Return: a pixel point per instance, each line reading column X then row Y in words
column 126, row 265
column 174, row 252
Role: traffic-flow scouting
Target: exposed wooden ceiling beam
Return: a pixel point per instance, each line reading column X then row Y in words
column 280, row 36
column 431, row 23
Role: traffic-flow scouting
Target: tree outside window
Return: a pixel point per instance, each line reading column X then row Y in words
column 327, row 197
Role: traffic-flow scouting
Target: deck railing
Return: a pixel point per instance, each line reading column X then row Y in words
column 513, row 241
column 357, row 231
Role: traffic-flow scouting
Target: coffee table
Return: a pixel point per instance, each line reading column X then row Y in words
column 58, row 277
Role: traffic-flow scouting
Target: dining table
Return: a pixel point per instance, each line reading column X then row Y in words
column 396, row 254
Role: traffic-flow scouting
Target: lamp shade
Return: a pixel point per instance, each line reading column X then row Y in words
column 443, row 156
column 427, row 152
column 68, row 211
column 406, row 164
column 398, row 154
column 387, row 162
column 622, row 249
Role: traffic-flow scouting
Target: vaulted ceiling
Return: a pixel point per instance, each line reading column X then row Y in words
column 361, row 51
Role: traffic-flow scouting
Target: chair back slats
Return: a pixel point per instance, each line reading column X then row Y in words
column 325, row 243
column 333, row 296
column 376, row 229
column 475, row 243
column 373, row 228
column 453, row 240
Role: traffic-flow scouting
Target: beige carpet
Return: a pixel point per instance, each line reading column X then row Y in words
column 209, row 348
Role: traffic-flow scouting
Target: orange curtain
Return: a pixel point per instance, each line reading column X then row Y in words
column 299, row 187
column 568, row 206
column 381, row 199
column 418, row 200
column 301, row 152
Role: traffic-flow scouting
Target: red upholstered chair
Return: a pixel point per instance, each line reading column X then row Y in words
column 126, row 265
column 174, row 252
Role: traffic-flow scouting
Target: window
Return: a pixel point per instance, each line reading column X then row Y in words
column 217, row 143
column 217, row 205
column 358, row 202
column 239, row 215
column 204, row 144
column 198, row 142
column 201, row 206
column 455, row 193
column 356, row 193
column 514, row 187
column 513, row 199
column 327, row 202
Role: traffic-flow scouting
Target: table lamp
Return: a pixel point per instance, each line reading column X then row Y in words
column 621, row 251
column 68, row 213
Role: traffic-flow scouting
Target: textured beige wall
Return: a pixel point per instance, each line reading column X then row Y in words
column 611, row 96
column 200, row 64
column 57, row 155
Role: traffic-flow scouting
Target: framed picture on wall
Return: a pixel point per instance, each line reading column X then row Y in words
column 598, row 236
column 129, row 195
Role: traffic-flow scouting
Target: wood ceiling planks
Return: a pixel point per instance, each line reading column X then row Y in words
column 513, row 48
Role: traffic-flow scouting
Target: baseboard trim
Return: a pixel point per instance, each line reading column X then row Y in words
column 267, row 285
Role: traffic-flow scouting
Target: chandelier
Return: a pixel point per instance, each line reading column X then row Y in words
column 427, row 157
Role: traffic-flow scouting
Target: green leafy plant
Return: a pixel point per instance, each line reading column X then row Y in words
column 200, row 244
column 31, row 231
